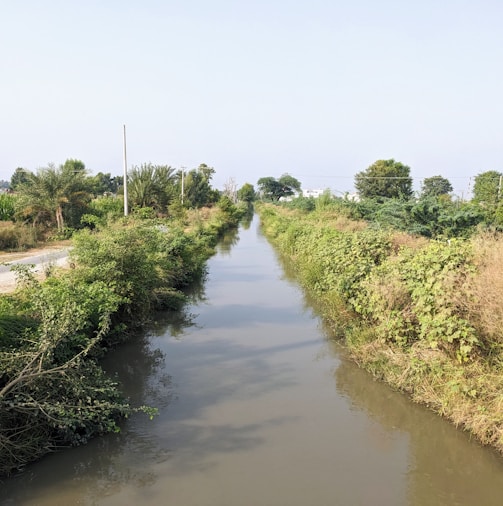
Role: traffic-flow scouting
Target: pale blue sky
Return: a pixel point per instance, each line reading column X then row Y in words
column 319, row 89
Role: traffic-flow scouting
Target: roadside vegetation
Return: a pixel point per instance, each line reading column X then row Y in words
column 412, row 285
column 53, row 332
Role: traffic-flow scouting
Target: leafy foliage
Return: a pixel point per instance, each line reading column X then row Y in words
column 197, row 190
column 413, row 297
column 486, row 187
column 246, row 193
column 151, row 186
column 435, row 186
column 432, row 217
column 105, row 184
column 102, row 210
column 384, row 179
column 52, row 391
column 7, row 206
column 55, row 195
column 274, row 189
column 19, row 177
column 406, row 296
column 487, row 194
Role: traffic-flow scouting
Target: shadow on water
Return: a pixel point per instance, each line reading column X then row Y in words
column 106, row 465
column 95, row 470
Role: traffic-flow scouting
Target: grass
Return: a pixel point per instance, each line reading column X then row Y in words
column 483, row 300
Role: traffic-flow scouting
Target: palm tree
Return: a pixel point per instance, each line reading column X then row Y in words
column 151, row 186
column 52, row 193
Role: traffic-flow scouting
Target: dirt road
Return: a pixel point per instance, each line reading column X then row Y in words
column 41, row 258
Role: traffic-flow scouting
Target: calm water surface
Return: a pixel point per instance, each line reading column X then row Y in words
column 257, row 407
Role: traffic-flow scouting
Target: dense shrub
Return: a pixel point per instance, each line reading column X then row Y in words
column 7, row 206
column 405, row 294
column 52, row 391
column 102, row 210
column 413, row 297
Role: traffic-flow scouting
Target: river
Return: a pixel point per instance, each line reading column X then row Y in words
column 259, row 407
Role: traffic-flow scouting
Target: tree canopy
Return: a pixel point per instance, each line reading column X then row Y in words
column 384, row 179
column 486, row 188
column 55, row 194
column 246, row 193
column 435, row 186
column 151, row 186
column 274, row 189
column 19, row 177
column 197, row 189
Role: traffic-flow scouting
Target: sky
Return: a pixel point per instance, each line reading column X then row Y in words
column 318, row 89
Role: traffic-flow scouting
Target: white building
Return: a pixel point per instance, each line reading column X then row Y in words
column 313, row 193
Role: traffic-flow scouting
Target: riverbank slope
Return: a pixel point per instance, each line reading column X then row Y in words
column 424, row 316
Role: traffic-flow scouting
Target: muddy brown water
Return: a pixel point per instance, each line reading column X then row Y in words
column 259, row 407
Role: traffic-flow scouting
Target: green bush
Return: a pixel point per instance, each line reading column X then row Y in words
column 52, row 392
column 405, row 297
column 327, row 259
column 7, row 206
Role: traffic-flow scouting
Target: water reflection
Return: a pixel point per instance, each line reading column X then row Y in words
column 102, row 467
column 176, row 323
column 227, row 241
column 445, row 466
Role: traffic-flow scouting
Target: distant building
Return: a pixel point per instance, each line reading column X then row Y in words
column 313, row 193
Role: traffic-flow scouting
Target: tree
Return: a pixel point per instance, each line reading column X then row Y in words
column 151, row 186
column 54, row 194
column 230, row 190
column 19, row 177
column 197, row 190
column 246, row 193
column 73, row 166
column 384, row 179
column 435, row 186
column 486, row 189
column 274, row 189
column 289, row 183
column 105, row 183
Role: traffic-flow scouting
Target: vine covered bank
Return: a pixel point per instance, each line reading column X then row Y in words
column 422, row 315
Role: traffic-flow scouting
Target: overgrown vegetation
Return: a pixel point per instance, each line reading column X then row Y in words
column 53, row 392
column 57, row 200
column 423, row 314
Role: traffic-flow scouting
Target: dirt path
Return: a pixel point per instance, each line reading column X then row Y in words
column 54, row 254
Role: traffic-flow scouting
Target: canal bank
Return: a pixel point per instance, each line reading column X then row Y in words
column 258, row 406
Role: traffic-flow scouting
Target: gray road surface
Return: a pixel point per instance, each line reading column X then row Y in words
column 40, row 260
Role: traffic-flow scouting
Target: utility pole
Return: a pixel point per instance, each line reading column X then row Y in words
column 499, row 187
column 125, row 176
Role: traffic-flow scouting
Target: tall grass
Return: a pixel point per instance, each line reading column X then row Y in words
column 18, row 237
column 483, row 298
